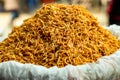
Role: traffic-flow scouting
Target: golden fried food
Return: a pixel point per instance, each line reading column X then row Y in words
column 58, row 35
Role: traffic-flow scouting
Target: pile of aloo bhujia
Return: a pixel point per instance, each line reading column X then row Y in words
column 58, row 35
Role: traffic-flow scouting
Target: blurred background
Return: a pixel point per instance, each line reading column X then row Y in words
column 13, row 12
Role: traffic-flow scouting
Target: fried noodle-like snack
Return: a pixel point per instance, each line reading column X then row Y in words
column 58, row 35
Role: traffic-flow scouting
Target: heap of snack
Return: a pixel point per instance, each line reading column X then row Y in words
column 58, row 35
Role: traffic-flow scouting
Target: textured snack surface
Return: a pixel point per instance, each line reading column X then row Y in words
column 58, row 35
